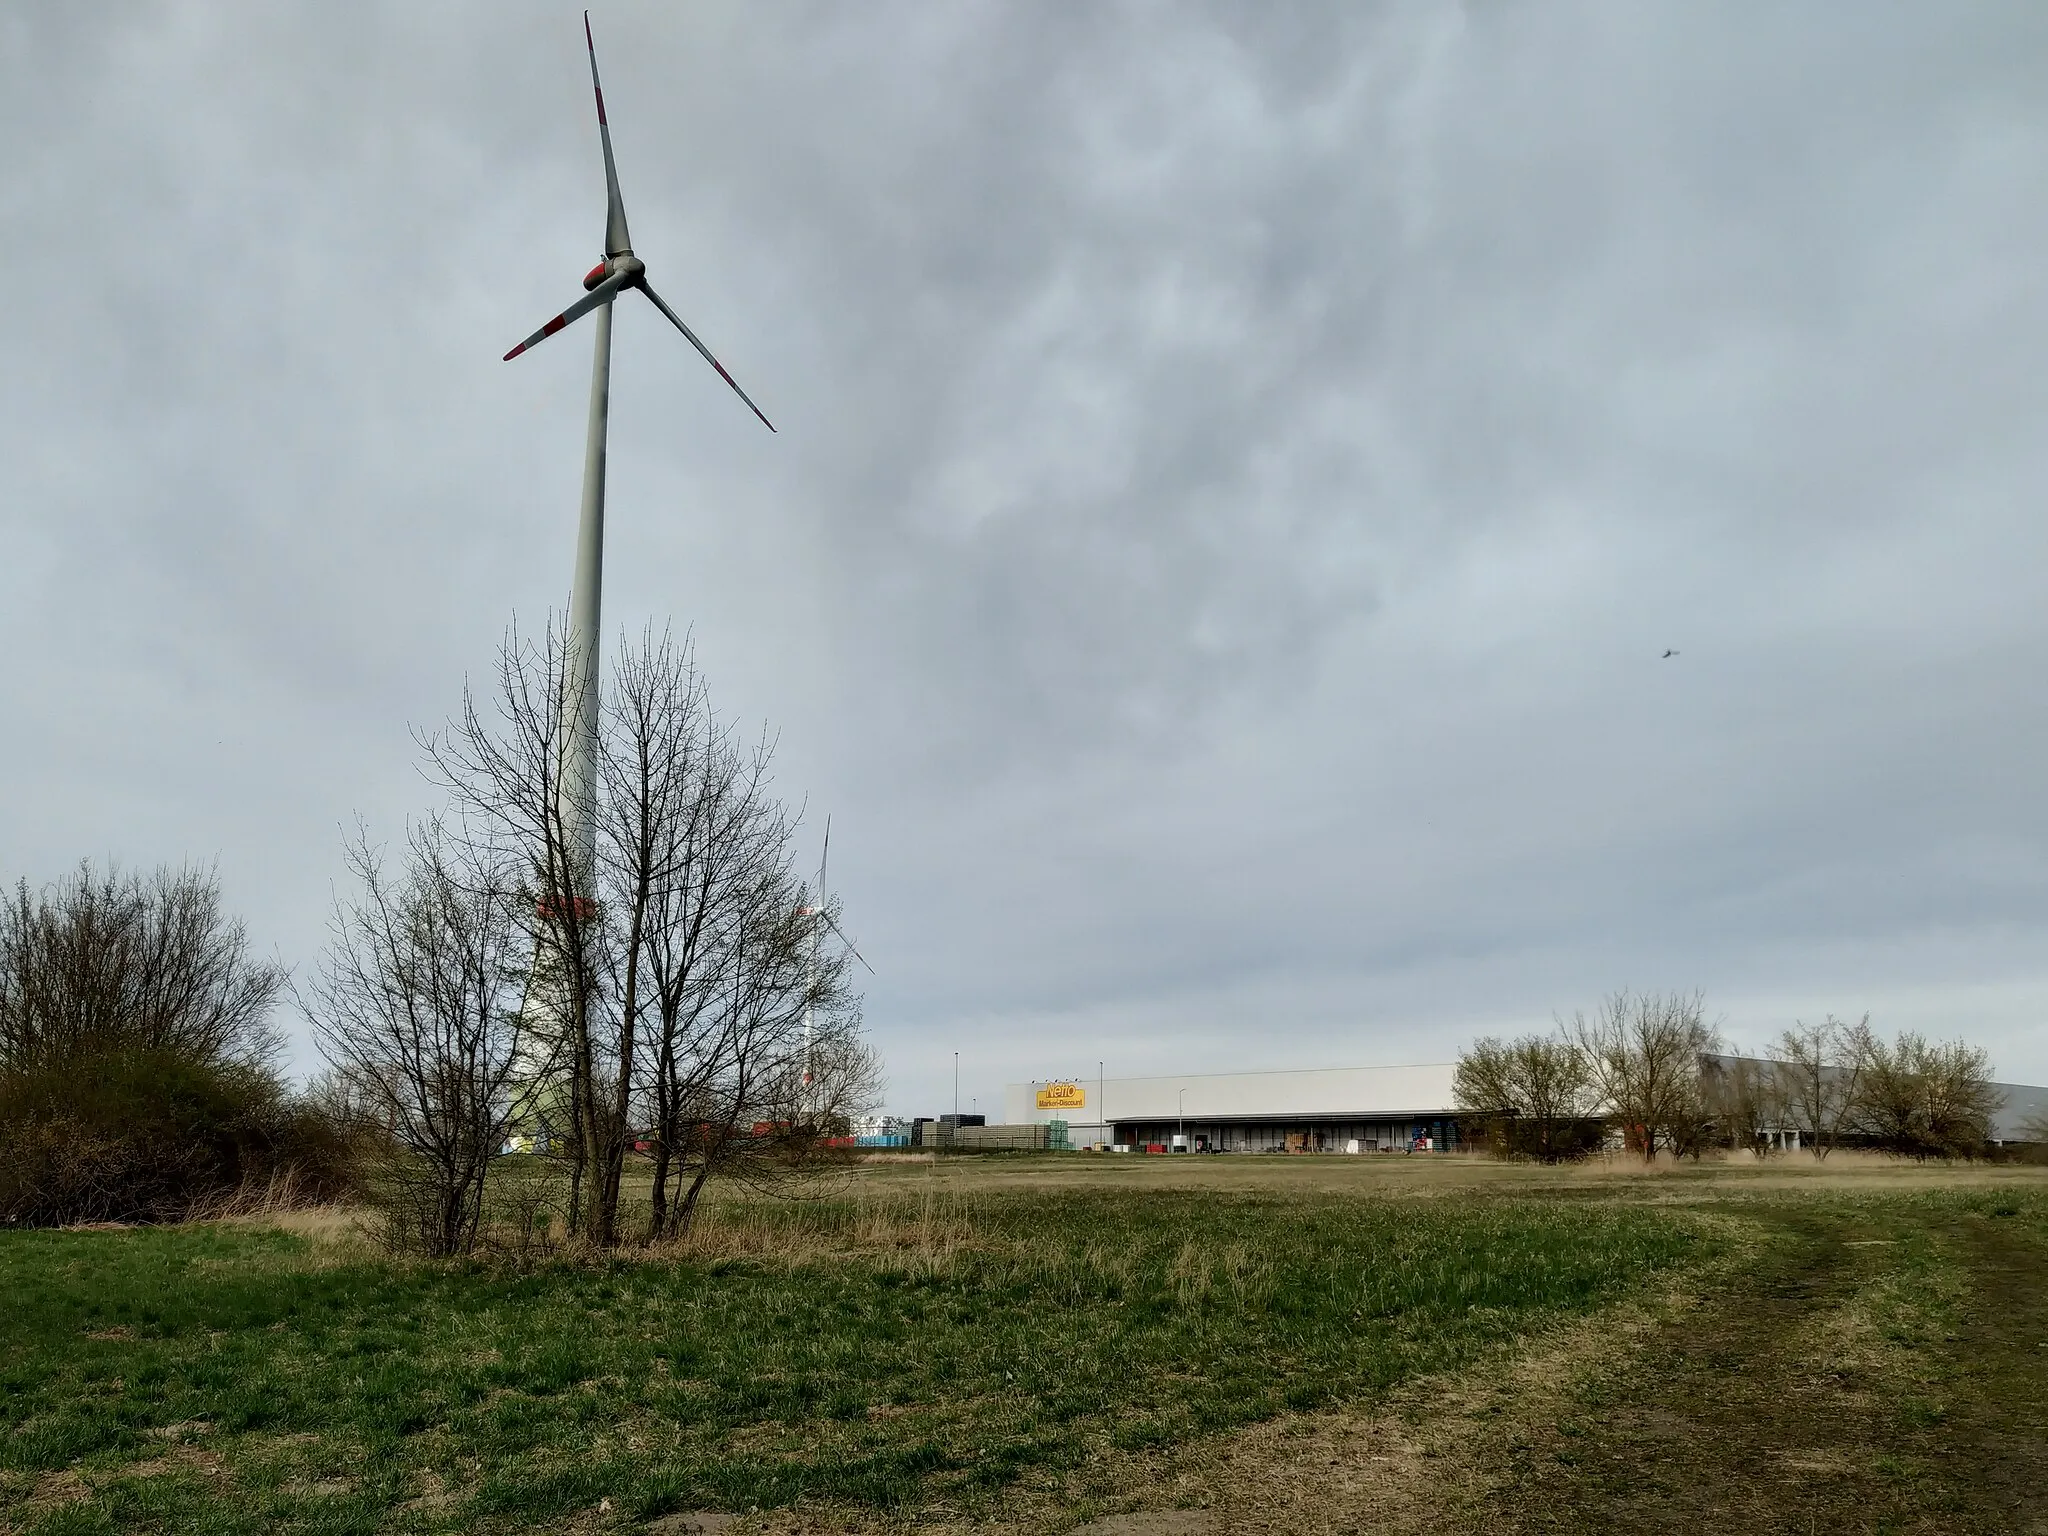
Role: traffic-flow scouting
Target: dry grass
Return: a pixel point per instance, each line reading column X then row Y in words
column 335, row 1235
column 1424, row 1175
column 927, row 1229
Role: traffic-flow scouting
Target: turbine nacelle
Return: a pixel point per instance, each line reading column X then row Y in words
column 629, row 264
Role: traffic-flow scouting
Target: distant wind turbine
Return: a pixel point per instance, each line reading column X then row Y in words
column 619, row 271
column 821, row 918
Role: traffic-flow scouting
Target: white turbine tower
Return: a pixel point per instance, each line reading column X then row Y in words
column 619, row 271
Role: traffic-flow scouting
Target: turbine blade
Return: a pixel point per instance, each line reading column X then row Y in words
column 601, row 294
column 706, row 351
column 863, row 959
column 616, row 241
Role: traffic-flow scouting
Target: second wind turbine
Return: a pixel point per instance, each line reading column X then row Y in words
column 619, row 271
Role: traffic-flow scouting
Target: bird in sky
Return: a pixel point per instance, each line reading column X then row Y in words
column 1667, row 655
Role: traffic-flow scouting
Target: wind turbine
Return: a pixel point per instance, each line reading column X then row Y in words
column 619, row 271
column 821, row 917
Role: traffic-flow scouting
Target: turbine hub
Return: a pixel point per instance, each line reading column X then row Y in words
column 625, row 263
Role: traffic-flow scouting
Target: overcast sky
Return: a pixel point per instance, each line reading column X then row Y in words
column 1240, row 467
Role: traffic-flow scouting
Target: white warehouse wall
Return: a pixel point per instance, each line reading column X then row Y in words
column 1359, row 1092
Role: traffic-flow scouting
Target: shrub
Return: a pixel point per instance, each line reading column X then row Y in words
column 1532, row 1097
column 1921, row 1099
column 151, row 1136
column 1515, row 1138
column 134, row 1050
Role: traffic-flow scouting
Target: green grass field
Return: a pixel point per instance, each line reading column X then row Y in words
column 890, row 1348
column 1032, row 1342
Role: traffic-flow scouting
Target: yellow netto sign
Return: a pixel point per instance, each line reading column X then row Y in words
column 1061, row 1096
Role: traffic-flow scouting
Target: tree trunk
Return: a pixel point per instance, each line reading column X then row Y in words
column 657, row 1215
column 686, row 1208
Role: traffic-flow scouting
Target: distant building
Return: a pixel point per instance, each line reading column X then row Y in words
column 2024, row 1114
column 2022, row 1107
column 881, row 1125
column 1334, row 1109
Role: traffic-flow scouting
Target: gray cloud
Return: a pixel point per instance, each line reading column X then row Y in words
column 1240, row 467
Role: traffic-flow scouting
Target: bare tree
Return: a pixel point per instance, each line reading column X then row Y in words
column 1643, row 1052
column 846, row 1079
column 1535, row 1093
column 2033, row 1136
column 686, row 819
column 716, row 967
column 417, row 1010
column 691, row 823
column 1961, row 1100
column 507, row 773
column 1746, row 1100
column 776, row 1061
column 97, row 964
column 1888, row 1111
column 672, row 975
column 1926, row 1100
column 1822, row 1069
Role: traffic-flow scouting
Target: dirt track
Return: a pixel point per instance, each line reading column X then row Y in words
column 1822, row 1393
column 1880, row 1369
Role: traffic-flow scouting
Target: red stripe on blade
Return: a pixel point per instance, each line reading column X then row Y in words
column 554, row 325
column 514, row 352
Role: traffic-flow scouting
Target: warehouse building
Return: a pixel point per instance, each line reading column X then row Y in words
column 2022, row 1114
column 1335, row 1109
column 2019, row 1111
